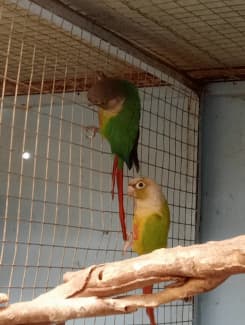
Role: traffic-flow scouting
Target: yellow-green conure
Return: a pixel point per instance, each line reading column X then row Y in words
column 119, row 117
column 150, row 221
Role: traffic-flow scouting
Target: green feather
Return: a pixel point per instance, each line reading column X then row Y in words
column 154, row 232
column 122, row 130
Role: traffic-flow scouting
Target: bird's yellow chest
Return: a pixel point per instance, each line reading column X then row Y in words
column 106, row 114
column 104, row 117
column 138, row 229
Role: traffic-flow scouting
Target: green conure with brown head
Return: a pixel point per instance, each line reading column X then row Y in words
column 119, row 117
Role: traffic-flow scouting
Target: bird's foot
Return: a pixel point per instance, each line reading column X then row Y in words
column 188, row 299
column 91, row 131
column 128, row 243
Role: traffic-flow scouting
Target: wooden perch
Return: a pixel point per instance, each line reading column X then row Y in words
column 91, row 291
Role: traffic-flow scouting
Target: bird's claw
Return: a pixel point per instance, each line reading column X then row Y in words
column 91, row 131
column 188, row 299
column 128, row 243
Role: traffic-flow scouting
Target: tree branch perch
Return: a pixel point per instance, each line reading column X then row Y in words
column 94, row 291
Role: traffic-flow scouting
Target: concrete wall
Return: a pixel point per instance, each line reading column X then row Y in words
column 223, row 193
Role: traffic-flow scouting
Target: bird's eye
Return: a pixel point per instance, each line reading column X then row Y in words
column 140, row 185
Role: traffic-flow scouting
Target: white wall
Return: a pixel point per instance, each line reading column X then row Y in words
column 223, row 192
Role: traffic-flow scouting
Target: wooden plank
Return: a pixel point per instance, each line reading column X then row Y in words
column 218, row 74
column 140, row 79
column 144, row 55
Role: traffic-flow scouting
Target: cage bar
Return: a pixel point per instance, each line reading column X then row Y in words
column 56, row 209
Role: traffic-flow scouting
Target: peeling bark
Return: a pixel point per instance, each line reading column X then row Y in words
column 91, row 291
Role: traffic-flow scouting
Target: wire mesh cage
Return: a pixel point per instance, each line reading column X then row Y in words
column 56, row 211
column 201, row 38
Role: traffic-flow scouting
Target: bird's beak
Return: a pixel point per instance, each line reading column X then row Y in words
column 130, row 190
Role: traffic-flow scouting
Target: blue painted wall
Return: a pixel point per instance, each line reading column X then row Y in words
column 223, row 193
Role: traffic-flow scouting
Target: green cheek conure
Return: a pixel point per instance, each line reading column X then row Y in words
column 119, row 117
column 150, row 221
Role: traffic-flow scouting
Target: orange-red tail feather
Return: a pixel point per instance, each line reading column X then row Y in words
column 117, row 174
column 149, row 310
column 114, row 172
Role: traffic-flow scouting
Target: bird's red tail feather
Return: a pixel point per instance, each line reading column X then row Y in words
column 150, row 310
column 114, row 172
column 117, row 175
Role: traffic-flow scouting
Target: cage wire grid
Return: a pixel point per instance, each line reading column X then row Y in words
column 56, row 211
column 206, row 42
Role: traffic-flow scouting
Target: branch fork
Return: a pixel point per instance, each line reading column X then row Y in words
column 99, row 290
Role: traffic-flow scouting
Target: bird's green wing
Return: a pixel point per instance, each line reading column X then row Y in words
column 122, row 130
